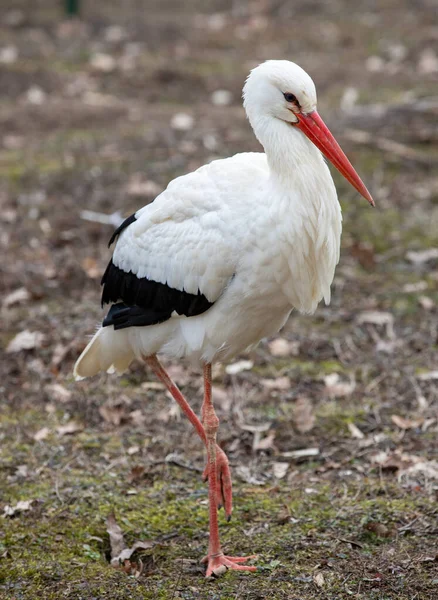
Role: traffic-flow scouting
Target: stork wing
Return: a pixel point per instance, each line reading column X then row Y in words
column 171, row 256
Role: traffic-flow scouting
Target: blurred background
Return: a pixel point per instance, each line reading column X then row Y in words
column 102, row 103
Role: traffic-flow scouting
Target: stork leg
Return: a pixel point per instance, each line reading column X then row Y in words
column 217, row 562
column 224, row 491
column 224, row 486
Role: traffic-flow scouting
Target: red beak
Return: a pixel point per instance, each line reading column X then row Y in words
column 317, row 131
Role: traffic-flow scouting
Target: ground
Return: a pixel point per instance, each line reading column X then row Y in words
column 331, row 428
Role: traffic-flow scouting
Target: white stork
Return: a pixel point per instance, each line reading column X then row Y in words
column 220, row 259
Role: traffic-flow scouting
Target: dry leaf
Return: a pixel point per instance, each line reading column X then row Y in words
column 136, row 473
column 18, row 296
column 244, row 473
column 355, row 431
column 267, row 443
column 239, row 366
column 103, row 62
column 25, row 340
column 337, row 388
column 113, row 414
column 375, row 317
column 138, row 186
column 137, row 417
column 318, row 578
column 422, row 256
column 119, row 552
column 117, row 542
column 222, row 398
column 182, row 122
column 279, row 347
column 58, row 393
column 426, row 302
column 68, row 429
column 429, row 376
column 280, row 469
column 41, row 434
column 280, row 383
column 91, row 267
column 406, row 423
column 427, row 468
column 302, row 415
column 303, row 453
column 380, row 529
column 21, row 506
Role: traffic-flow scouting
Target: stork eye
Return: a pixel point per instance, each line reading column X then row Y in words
column 290, row 97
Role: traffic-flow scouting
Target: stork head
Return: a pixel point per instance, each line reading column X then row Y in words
column 280, row 89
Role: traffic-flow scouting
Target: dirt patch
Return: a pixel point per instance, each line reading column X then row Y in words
column 332, row 432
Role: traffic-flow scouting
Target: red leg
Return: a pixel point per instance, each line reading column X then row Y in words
column 224, row 496
column 224, row 485
column 217, row 562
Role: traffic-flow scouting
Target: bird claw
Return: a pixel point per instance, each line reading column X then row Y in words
column 218, row 564
column 224, row 485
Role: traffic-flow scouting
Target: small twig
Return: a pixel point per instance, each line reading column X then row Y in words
column 394, row 149
column 352, row 542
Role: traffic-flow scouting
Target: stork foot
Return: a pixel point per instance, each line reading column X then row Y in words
column 224, row 489
column 218, row 564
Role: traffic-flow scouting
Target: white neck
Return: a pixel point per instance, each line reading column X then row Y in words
column 286, row 147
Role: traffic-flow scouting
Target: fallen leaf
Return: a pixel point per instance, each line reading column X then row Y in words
column 137, row 417
column 117, row 541
column 427, row 468
column 426, row 302
column 91, row 267
column 337, row 388
column 19, row 296
column 280, row 469
column 266, row 443
column 318, row 578
column 41, row 434
column 25, row 340
column 303, row 453
column 21, row 506
column 68, row 429
column 119, row 552
column 152, row 385
column 221, row 98
column 429, row 376
column 182, row 122
column 222, row 398
column 423, row 256
column 113, row 414
column 239, row 366
column 380, row 529
column 244, row 473
column 136, row 473
column 103, row 62
column 355, row 431
column 302, row 415
column 381, row 318
column 364, row 253
column 428, row 62
column 418, row 286
column 280, row 383
column 138, row 186
column 280, row 347
column 406, row 423
column 58, row 393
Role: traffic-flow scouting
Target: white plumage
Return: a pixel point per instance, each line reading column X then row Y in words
column 221, row 257
column 258, row 234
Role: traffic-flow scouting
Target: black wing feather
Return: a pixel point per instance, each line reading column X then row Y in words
column 120, row 228
column 141, row 301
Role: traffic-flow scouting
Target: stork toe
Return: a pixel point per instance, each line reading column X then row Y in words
column 218, row 564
